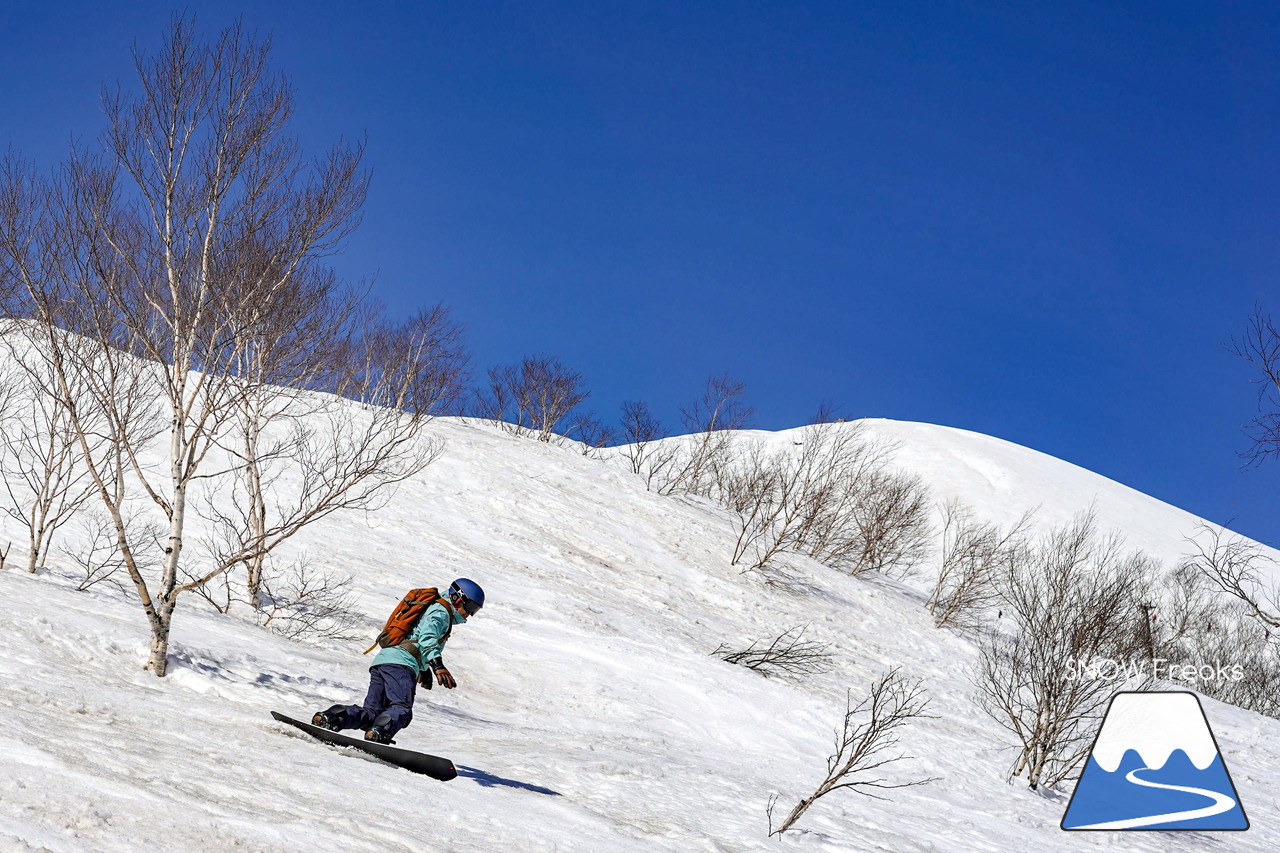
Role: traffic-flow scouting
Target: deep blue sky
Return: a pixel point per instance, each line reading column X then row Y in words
column 1041, row 221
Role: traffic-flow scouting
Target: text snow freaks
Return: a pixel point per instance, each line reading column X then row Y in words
column 1161, row 669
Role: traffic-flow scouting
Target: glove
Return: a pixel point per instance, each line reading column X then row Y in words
column 424, row 678
column 436, row 665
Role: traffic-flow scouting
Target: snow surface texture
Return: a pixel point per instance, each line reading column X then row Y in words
column 590, row 715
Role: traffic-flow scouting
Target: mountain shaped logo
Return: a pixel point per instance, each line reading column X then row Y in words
column 1155, row 765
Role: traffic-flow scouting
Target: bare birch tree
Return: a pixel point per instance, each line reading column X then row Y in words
column 343, row 455
column 533, row 397
column 138, row 248
column 1073, row 598
column 43, row 484
column 641, row 432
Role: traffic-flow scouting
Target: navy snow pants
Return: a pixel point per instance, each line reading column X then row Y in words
column 389, row 703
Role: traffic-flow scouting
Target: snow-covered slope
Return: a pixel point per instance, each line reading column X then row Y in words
column 589, row 716
column 1001, row 479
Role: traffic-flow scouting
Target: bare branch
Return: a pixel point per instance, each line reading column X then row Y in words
column 1260, row 346
column 1236, row 566
column 866, row 742
column 786, row 654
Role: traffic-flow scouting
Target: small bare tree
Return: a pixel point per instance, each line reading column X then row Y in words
column 1073, row 598
column 39, row 455
column 691, row 466
column 591, row 433
column 532, row 397
column 894, row 531
column 866, row 743
column 1236, row 566
column 401, row 373
column 641, row 432
column 786, row 654
column 830, row 495
column 973, row 553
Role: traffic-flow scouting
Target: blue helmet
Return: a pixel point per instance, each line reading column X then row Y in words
column 466, row 592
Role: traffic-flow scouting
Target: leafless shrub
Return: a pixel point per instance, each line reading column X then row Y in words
column 786, row 654
column 532, row 397
column 691, row 466
column 593, row 434
column 894, row 532
column 1243, row 656
column 829, row 413
column 1196, row 623
column 301, row 602
column 972, row 554
column 1073, row 598
column 801, row 497
column 830, row 496
column 1187, row 606
column 641, row 431
column 866, row 743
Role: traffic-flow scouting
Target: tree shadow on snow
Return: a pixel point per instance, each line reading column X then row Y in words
column 488, row 780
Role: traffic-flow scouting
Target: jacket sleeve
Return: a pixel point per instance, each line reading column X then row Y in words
column 429, row 633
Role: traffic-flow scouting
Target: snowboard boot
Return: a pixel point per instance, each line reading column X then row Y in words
column 325, row 720
column 377, row 735
column 380, row 730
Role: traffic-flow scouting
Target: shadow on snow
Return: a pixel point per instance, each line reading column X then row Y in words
column 488, row 780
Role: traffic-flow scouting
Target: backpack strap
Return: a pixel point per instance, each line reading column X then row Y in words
column 411, row 648
column 448, row 609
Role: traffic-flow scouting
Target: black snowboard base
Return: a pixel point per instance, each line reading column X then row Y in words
column 417, row 762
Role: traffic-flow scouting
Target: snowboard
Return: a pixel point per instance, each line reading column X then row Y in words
column 417, row 762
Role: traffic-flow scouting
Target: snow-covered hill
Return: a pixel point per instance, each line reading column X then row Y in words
column 589, row 716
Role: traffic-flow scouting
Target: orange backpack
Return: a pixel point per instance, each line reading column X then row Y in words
column 406, row 615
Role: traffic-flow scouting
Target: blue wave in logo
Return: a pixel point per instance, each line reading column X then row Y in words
column 1175, row 796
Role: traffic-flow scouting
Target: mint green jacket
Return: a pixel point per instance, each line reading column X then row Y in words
column 428, row 635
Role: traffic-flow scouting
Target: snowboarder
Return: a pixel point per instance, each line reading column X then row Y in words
column 397, row 670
